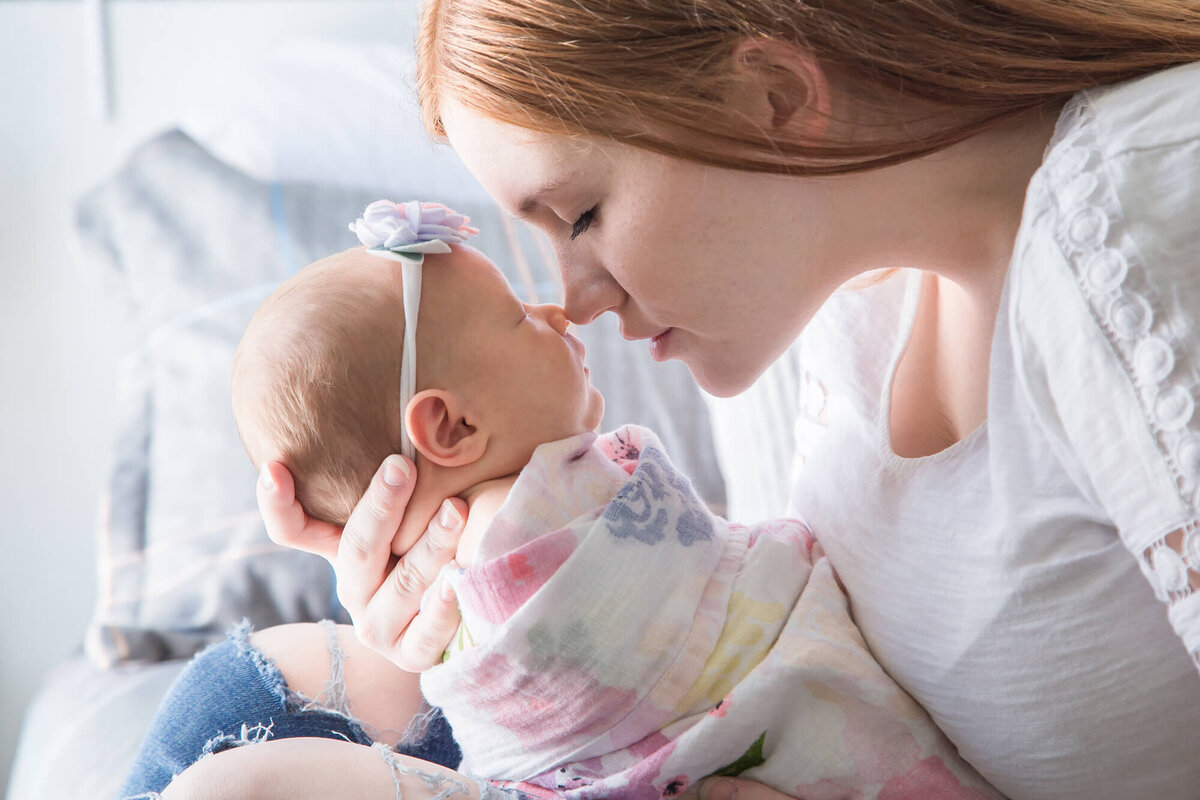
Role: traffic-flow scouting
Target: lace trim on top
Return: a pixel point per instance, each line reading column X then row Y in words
column 1090, row 226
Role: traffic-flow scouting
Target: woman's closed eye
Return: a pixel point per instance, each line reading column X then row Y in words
column 584, row 222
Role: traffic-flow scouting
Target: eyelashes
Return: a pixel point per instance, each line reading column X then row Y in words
column 584, row 222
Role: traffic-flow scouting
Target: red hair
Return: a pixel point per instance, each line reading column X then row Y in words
column 654, row 74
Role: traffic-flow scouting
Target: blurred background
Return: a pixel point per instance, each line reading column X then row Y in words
column 81, row 83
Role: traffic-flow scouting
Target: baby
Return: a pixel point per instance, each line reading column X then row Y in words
column 618, row 640
column 317, row 378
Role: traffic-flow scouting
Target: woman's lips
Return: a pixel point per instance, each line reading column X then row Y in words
column 658, row 341
column 631, row 336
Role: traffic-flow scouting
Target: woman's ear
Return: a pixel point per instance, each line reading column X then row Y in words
column 780, row 86
column 440, row 432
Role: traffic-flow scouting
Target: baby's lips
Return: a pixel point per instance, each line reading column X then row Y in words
column 576, row 345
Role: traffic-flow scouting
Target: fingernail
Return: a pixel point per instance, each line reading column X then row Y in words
column 720, row 789
column 395, row 471
column 264, row 478
column 448, row 518
column 447, row 591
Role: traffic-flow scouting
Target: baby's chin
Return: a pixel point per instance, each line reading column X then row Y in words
column 596, row 417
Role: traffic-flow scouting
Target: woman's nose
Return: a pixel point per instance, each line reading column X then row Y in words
column 553, row 314
column 588, row 290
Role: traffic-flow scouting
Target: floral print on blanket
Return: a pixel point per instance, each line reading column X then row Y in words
column 628, row 643
column 496, row 589
column 641, row 509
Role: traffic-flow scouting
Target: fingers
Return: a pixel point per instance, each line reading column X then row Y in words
column 431, row 631
column 393, row 608
column 364, row 550
column 285, row 520
column 382, row 593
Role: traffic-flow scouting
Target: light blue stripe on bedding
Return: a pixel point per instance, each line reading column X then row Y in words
column 282, row 235
column 254, row 294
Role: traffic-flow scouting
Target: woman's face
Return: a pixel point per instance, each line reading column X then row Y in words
column 718, row 268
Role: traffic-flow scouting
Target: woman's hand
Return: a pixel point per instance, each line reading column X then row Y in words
column 382, row 590
column 731, row 788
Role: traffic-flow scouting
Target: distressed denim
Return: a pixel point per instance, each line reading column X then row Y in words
column 232, row 695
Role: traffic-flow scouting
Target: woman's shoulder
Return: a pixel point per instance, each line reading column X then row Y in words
column 1114, row 211
column 1142, row 135
column 1103, row 306
column 1125, row 161
column 1159, row 110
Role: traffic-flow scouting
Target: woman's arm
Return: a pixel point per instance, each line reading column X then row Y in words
column 1126, row 335
column 731, row 788
column 316, row 769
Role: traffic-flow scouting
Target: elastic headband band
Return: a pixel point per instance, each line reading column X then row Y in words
column 406, row 232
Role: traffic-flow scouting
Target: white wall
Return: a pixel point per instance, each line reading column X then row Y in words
column 58, row 338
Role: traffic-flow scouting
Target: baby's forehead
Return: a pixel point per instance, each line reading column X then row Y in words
column 465, row 275
column 321, row 294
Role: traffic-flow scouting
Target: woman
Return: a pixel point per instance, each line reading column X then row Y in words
column 1001, row 456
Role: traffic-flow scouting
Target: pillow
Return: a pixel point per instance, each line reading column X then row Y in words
column 192, row 246
column 336, row 113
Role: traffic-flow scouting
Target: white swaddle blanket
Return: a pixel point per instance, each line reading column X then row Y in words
column 621, row 641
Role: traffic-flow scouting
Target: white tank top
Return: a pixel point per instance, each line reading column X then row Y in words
column 989, row 587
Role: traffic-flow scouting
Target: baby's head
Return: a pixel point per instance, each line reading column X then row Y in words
column 316, row 378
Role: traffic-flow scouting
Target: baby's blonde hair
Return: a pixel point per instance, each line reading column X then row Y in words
column 316, row 379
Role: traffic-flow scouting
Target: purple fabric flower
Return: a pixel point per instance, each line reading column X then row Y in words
column 411, row 227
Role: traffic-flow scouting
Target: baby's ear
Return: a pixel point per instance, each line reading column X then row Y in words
column 439, row 430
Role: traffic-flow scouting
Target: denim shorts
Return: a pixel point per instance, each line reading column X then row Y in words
column 232, row 695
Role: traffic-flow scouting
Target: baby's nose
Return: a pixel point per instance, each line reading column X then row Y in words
column 554, row 315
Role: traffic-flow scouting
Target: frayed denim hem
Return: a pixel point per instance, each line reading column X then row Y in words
column 333, row 698
column 446, row 786
column 232, row 695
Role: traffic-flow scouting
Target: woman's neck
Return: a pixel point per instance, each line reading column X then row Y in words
column 954, row 213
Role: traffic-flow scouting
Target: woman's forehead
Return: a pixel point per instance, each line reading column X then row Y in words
column 516, row 165
column 465, row 124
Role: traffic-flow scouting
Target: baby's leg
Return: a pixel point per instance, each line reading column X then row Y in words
column 320, row 769
column 327, row 663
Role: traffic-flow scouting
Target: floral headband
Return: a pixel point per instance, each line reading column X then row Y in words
column 405, row 232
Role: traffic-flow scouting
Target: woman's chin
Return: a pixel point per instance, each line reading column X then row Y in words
column 723, row 379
